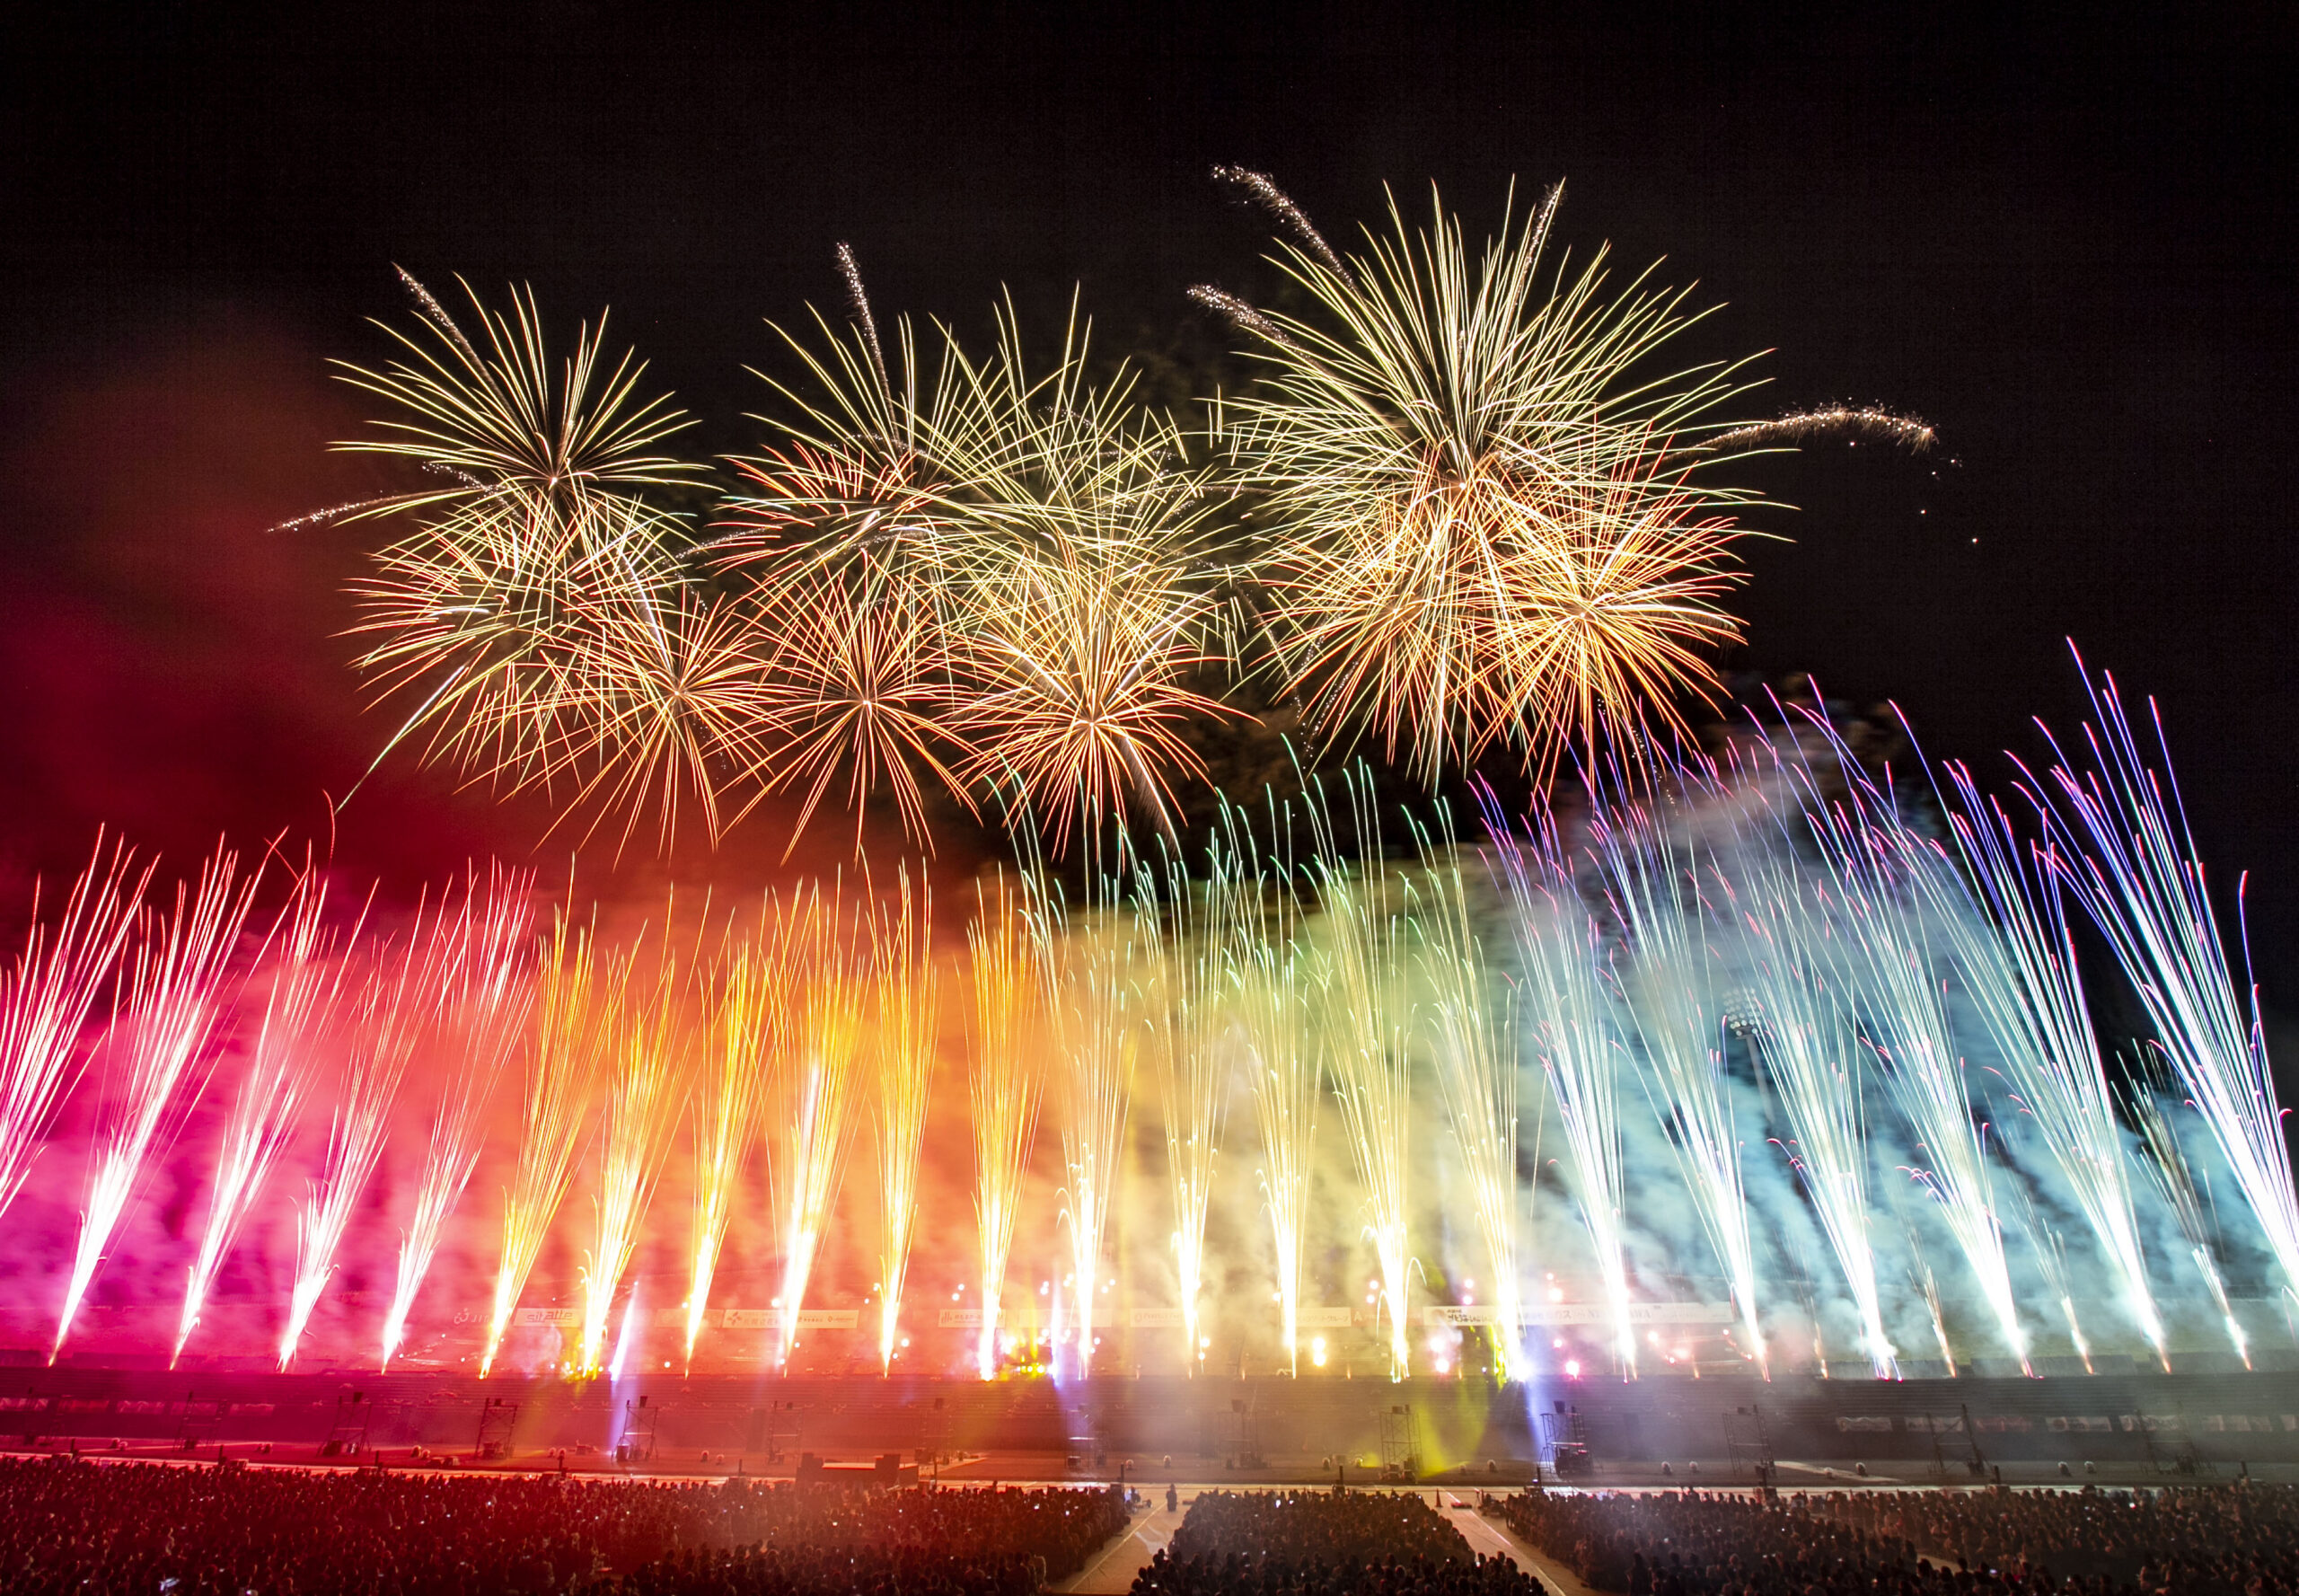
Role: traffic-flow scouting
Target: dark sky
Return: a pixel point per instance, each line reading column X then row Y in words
column 2069, row 247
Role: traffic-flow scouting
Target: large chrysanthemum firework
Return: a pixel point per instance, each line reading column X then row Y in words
column 1483, row 534
column 538, row 614
column 990, row 578
column 1083, row 548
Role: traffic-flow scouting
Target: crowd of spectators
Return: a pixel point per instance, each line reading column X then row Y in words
column 1362, row 1543
column 2200, row 1538
column 2214, row 1541
column 155, row 1529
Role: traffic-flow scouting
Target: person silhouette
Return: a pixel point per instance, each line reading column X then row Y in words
column 1173, row 1498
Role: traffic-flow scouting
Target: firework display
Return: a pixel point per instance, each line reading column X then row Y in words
column 1820, row 1041
column 306, row 984
column 1263, row 960
column 382, row 1026
column 1365, row 1040
column 1761, row 1003
column 489, row 993
column 908, row 1002
column 645, row 1078
column 813, row 1121
column 176, row 991
column 1455, row 512
column 1653, row 873
column 745, row 1007
column 562, row 1066
column 1007, row 1086
column 1474, row 1039
column 1182, row 929
column 45, row 998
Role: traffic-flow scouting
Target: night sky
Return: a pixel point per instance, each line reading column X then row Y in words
column 2070, row 251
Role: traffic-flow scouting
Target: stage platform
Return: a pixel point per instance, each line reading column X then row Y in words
column 1714, row 1430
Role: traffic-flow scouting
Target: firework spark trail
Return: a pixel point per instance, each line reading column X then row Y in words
column 817, row 1102
column 1475, row 1034
column 562, row 1069
column 1576, row 1033
column 1237, row 312
column 1836, row 420
column 1480, row 538
column 1668, row 981
column 1920, row 1275
column 2167, row 1167
column 1876, row 863
column 1005, row 1089
column 393, row 991
column 2143, row 885
column 908, row 1008
column 746, row 1020
column 1095, row 1036
column 1367, row 1053
column 644, row 1091
column 488, row 993
column 175, row 978
column 2050, row 1253
column 1262, row 191
column 45, row 996
column 1803, row 1034
column 1184, row 941
column 1264, row 965
column 2022, row 973
column 306, row 987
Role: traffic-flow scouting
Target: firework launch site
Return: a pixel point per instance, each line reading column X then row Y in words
column 1722, row 1432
